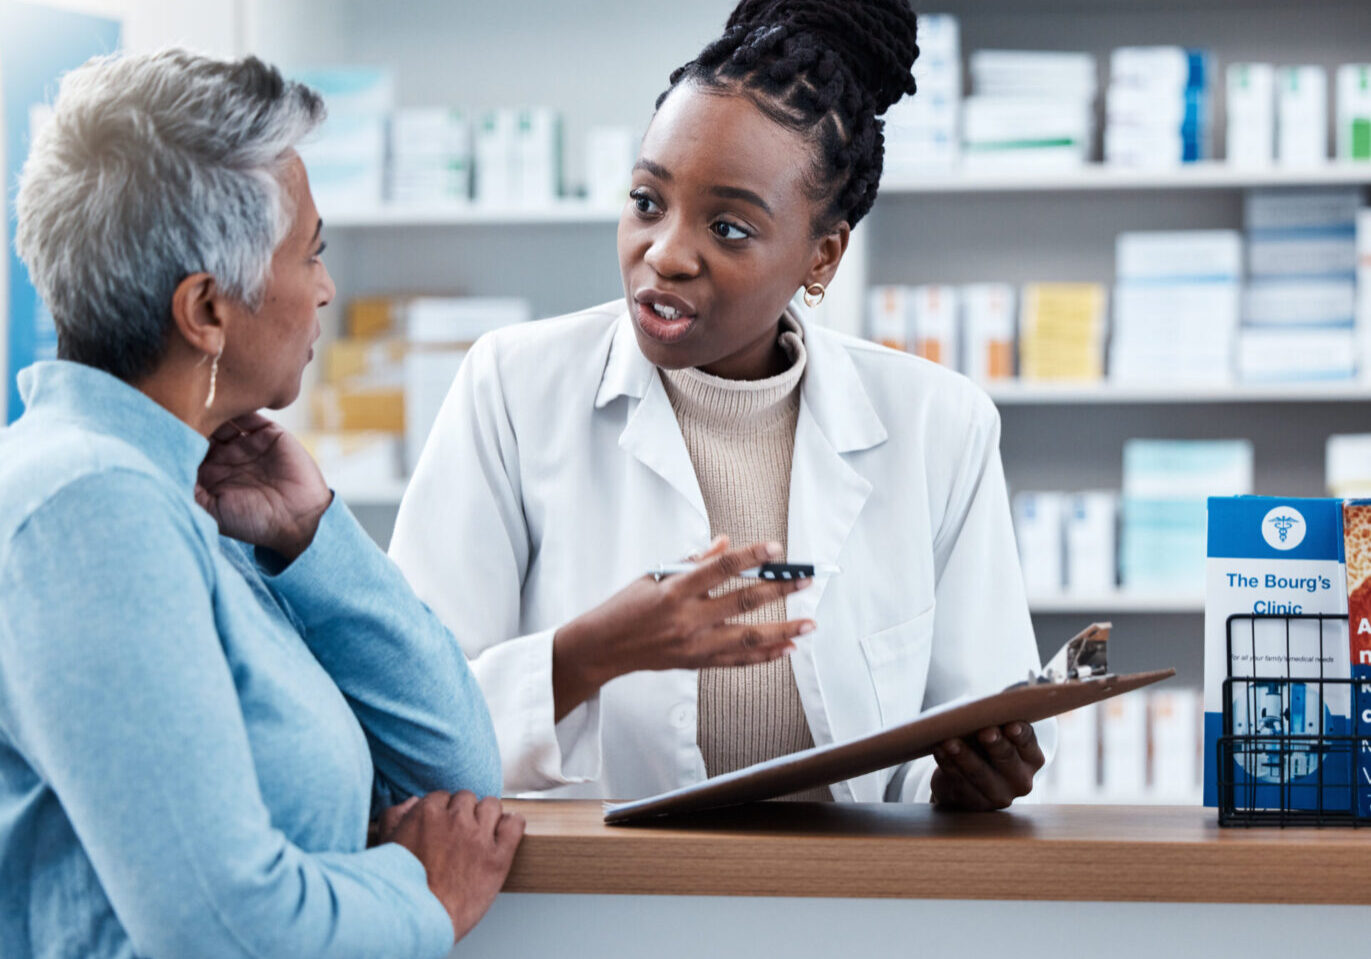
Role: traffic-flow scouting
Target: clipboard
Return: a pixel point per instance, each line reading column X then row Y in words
column 1075, row 677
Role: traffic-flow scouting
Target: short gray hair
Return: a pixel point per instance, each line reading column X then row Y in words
column 151, row 168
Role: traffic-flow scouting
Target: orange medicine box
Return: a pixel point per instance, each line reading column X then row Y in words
column 988, row 331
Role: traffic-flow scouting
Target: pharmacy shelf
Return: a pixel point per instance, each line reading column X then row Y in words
column 1213, row 175
column 387, row 493
column 1049, row 394
column 563, row 211
column 1094, row 176
column 1121, row 601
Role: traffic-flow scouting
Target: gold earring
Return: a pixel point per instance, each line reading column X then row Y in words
column 814, row 295
column 213, row 378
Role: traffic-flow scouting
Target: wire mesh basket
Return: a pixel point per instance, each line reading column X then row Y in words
column 1295, row 749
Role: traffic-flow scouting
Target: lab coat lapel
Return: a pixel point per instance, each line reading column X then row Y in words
column 652, row 434
column 827, row 494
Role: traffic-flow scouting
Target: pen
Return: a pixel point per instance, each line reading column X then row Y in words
column 765, row 571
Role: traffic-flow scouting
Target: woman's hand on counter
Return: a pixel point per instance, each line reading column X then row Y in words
column 988, row 770
column 674, row 623
column 262, row 486
column 466, row 846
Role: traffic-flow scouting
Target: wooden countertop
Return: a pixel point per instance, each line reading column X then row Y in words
column 1087, row 853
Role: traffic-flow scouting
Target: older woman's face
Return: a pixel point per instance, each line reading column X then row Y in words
column 266, row 351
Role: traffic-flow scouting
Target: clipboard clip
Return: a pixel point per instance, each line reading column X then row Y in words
column 1083, row 657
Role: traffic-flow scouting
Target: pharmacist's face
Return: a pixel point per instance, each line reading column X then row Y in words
column 265, row 352
column 717, row 234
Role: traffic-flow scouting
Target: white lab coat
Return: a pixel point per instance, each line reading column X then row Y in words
column 556, row 473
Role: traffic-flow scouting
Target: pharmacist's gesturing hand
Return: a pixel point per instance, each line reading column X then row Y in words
column 261, row 486
column 674, row 623
column 988, row 770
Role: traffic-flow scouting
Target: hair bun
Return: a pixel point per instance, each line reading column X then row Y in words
column 876, row 40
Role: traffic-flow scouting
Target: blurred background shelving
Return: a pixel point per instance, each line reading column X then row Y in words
column 598, row 63
column 595, row 65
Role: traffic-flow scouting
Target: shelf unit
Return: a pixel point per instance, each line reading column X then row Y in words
column 1119, row 602
column 1090, row 177
column 1106, row 394
column 1209, row 175
column 949, row 227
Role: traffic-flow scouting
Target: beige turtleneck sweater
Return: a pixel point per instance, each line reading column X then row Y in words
column 741, row 437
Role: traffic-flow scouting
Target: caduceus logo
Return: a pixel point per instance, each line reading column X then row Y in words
column 1284, row 524
column 1283, row 528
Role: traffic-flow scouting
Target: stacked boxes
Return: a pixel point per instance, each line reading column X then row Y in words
column 1176, row 306
column 384, row 382
column 1062, row 332
column 1067, row 542
column 968, row 328
column 1030, row 109
column 439, row 331
column 518, row 157
column 1157, row 107
column 1165, row 485
column 921, row 132
column 1299, row 306
column 1136, row 749
column 431, row 157
column 347, row 156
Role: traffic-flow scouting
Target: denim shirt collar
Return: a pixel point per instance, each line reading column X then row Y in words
column 106, row 404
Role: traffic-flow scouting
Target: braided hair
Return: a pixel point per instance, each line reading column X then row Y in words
column 823, row 68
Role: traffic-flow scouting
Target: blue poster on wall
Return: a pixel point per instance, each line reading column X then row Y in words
column 37, row 45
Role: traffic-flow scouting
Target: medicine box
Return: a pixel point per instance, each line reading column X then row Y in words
column 1354, row 112
column 1038, row 518
column 1301, row 115
column 1251, row 106
column 1091, row 522
column 988, row 322
column 889, row 318
column 934, row 313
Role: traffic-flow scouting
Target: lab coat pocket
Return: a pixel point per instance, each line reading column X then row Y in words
column 897, row 659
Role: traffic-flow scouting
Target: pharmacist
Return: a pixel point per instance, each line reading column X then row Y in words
column 573, row 455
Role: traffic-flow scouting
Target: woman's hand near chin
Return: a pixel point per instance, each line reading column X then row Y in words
column 262, row 487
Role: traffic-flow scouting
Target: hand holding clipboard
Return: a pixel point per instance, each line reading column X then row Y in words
column 1075, row 677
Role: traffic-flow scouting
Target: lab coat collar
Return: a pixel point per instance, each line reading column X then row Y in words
column 831, row 388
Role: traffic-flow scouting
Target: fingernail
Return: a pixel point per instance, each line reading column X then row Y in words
column 802, row 584
column 806, row 627
column 954, row 748
column 991, row 738
column 1015, row 730
column 774, row 550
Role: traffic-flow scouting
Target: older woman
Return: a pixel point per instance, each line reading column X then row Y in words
column 210, row 680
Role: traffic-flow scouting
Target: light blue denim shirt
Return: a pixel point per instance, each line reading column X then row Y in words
column 191, row 746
